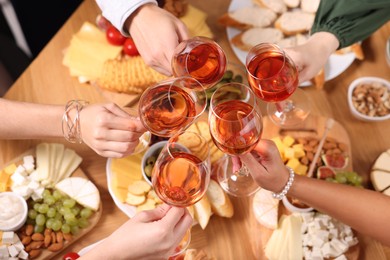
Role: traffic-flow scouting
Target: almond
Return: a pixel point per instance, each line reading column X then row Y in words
column 29, row 230
column 34, row 253
column 47, row 240
column 36, row 244
column 26, row 240
column 59, row 237
column 55, row 247
column 37, row 237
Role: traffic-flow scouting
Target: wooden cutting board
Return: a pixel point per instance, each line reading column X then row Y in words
column 314, row 127
column 93, row 220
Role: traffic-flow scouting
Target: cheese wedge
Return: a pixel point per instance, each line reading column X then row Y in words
column 69, row 163
column 265, row 208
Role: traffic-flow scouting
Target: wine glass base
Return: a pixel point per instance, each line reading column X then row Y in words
column 290, row 112
column 236, row 183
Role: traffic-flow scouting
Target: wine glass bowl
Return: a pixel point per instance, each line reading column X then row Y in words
column 201, row 58
column 235, row 126
column 171, row 105
column 181, row 173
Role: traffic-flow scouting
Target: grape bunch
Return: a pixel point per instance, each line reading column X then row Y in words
column 57, row 211
column 347, row 177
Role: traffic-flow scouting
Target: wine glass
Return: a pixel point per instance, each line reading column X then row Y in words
column 273, row 77
column 171, row 105
column 181, row 174
column 201, row 58
column 235, row 126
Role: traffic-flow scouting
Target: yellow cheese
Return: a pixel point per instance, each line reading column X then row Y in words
column 43, row 161
column 279, row 144
column 4, row 177
column 293, row 164
column 289, row 153
column 130, row 166
column 10, row 169
column 195, row 20
column 121, row 180
column 301, row 169
column 288, row 140
column 295, row 249
column 119, row 193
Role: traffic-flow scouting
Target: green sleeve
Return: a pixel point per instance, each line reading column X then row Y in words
column 351, row 20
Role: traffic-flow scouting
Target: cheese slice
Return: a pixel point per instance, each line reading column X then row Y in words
column 70, row 161
column 59, row 151
column 380, row 180
column 43, row 161
column 382, row 162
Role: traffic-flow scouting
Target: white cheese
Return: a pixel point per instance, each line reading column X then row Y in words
column 12, row 251
column 23, row 255
column 28, row 159
column 18, row 179
column 43, row 160
column 7, row 237
column 3, row 251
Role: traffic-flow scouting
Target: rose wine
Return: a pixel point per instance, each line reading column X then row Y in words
column 272, row 76
column 205, row 62
column 235, row 127
column 166, row 109
column 180, row 179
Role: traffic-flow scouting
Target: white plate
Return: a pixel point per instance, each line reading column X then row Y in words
column 126, row 208
column 334, row 67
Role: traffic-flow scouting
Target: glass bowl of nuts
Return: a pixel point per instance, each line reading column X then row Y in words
column 369, row 99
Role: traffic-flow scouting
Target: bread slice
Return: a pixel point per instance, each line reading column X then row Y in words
column 356, row 48
column 248, row 17
column 220, row 202
column 278, row 6
column 310, row 6
column 292, row 3
column 203, row 212
column 249, row 38
column 319, row 80
column 293, row 22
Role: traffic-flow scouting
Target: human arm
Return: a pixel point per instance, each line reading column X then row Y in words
column 155, row 31
column 356, row 207
column 152, row 234
column 106, row 128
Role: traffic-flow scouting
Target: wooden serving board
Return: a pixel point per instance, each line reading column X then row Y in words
column 313, row 127
column 93, row 220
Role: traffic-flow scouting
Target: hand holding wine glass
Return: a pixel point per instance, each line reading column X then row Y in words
column 171, row 105
column 273, row 77
column 201, row 58
column 235, row 126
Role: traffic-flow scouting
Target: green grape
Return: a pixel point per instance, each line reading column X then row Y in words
column 40, row 220
column 83, row 223
column 65, row 228
column 69, row 203
column 74, row 230
column 57, row 224
column 75, row 210
column 64, row 210
column 43, row 208
column 57, row 195
column 49, row 222
column 49, row 200
column 58, row 216
column 32, row 214
column 36, row 206
column 72, row 221
column 38, row 228
column 45, row 193
column 69, row 216
column 340, row 178
column 51, row 213
column 85, row 213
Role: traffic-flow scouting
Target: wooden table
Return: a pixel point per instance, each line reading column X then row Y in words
column 47, row 81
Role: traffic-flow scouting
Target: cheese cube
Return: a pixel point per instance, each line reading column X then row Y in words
column 12, row 251
column 298, row 150
column 289, row 153
column 28, row 159
column 20, row 169
column 18, row 179
column 23, row 255
column 288, row 141
column 8, row 237
column 29, row 167
column 3, row 252
column 293, row 164
column 4, row 177
column 301, row 169
column 10, row 169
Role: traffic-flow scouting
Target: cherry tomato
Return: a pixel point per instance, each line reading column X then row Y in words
column 114, row 36
column 70, row 256
column 129, row 47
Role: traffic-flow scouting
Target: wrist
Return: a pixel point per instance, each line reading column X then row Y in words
column 137, row 14
column 325, row 42
column 285, row 189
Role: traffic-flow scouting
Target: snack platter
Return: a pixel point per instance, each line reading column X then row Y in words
column 313, row 127
column 92, row 220
column 336, row 64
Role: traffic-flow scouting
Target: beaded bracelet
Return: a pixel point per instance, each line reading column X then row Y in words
column 71, row 128
column 286, row 188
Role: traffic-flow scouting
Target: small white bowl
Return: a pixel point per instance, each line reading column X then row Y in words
column 291, row 207
column 17, row 222
column 354, row 111
column 152, row 151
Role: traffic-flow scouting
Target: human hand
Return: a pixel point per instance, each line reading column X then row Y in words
column 312, row 56
column 109, row 130
column 266, row 166
column 156, row 33
column 150, row 234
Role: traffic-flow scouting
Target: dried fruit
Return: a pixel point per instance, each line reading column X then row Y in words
column 325, row 172
column 336, row 161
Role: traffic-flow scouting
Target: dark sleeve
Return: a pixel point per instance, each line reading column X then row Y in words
column 351, row 20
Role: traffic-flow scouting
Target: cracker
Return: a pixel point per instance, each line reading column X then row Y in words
column 135, row 200
column 128, row 75
column 139, row 187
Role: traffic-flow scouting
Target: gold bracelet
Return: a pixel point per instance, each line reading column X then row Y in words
column 71, row 128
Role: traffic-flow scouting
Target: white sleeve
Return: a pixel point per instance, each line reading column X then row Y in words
column 117, row 11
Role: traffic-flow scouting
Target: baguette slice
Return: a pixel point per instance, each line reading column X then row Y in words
column 278, row 6
column 310, row 6
column 291, row 23
column 248, row 17
column 319, row 80
column 356, row 48
column 249, row 38
column 220, row 202
column 203, row 212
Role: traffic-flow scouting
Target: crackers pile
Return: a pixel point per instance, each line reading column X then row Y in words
column 128, row 75
column 141, row 195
